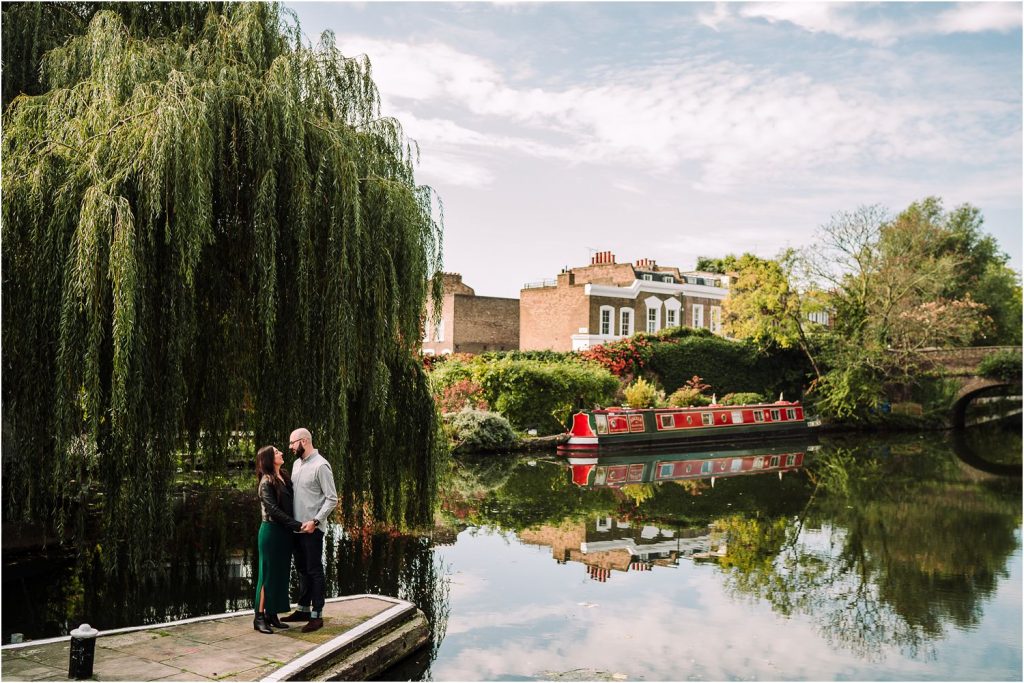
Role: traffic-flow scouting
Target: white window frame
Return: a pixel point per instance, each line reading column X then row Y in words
column 697, row 315
column 653, row 306
column 609, row 329
column 668, row 278
column 439, row 330
column 670, row 317
column 648, row 277
column 626, row 322
column 716, row 319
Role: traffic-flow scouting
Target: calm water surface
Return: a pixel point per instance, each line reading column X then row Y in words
column 894, row 558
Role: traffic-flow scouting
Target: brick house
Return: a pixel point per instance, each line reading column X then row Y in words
column 471, row 323
column 606, row 300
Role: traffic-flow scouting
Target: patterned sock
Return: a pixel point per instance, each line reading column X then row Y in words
column 315, row 614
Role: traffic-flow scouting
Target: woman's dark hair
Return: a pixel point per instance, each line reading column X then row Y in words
column 265, row 469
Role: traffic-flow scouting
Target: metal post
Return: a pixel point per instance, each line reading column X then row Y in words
column 83, row 650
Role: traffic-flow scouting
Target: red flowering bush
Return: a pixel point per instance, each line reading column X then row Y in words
column 459, row 394
column 624, row 358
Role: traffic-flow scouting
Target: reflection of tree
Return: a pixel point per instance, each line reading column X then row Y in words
column 524, row 493
column 389, row 564
column 906, row 547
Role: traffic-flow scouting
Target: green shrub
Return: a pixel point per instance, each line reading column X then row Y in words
column 542, row 395
column 687, row 396
column 741, row 398
column 641, row 394
column 544, row 355
column 479, row 430
column 728, row 366
column 1004, row 365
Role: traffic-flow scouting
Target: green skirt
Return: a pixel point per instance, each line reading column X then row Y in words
column 275, row 542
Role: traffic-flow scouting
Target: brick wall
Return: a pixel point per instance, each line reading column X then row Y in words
column 549, row 316
column 485, row 323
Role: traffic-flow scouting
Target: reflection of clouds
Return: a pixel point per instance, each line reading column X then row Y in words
column 650, row 639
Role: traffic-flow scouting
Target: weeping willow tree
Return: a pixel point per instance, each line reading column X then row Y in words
column 207, row 232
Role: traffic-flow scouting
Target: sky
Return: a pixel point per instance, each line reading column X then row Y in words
column 672, row 130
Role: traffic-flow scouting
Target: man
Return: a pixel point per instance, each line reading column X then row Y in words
column 315, row 500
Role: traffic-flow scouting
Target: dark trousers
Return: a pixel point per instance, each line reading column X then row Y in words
column 309, row 564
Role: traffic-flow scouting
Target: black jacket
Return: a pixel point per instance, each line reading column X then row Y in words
column 274, row 510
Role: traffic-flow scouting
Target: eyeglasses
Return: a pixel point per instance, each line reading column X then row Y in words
column 299, row 440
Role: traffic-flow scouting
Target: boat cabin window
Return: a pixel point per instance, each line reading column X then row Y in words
column 707, row 418
column 790, row 413
column 775, row 414
column 668, row 421
column 666, row 470
column 774, row 462
column 758, row 416
column 790, row 460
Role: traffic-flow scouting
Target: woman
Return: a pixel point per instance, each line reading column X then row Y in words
column 275, row 540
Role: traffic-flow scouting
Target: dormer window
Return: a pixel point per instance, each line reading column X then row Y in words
column 648, row 277
column 668, row 278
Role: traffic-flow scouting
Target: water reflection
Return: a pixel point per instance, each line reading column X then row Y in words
column 885, row 545
column 881, row 557
column 209, row 570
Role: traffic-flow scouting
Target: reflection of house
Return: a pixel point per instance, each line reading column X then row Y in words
column 606, row 300
column 610, row 545
column 471, row 323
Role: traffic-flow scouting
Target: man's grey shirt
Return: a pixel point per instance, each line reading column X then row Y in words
column 315, row 493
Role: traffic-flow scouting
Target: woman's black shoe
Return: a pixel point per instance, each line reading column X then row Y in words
column 274, row 621
column 260, row 624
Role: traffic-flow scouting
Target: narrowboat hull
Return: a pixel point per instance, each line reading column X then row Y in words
column 617, row 470
column 613, row 429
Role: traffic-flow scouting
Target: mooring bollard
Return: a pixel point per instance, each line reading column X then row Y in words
column 83, row 650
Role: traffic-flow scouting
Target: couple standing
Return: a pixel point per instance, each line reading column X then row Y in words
column 308, row 495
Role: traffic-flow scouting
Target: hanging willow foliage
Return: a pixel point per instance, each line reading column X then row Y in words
column 203, row 233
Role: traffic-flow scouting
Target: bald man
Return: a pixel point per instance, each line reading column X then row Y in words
column 315, row 500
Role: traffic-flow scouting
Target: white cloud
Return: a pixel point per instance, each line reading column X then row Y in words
column 848, row 20
column 736, row 123
column 977, row 17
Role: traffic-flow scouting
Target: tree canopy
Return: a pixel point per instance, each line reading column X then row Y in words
column 208, row 230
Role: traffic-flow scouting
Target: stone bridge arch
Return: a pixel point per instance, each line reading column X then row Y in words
column 971, row 387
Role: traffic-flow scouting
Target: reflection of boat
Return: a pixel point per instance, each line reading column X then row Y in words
column 635, row 468
column 607, row 429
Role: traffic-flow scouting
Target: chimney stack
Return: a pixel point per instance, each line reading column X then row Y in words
column 601, row 258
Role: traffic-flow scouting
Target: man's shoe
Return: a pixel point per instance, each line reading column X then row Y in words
column 313, row 625
column 297, row 615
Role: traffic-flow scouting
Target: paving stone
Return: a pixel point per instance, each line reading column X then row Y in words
column 162, row 649
column 22, row 669
column 55, row 654
column 259, row 673
column 128, row 639
column 279, row 649
column 213, row 631
column 184, row 676
column 132, row 669
column 214, row 662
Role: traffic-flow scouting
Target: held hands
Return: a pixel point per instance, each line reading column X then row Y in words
column 307, row 527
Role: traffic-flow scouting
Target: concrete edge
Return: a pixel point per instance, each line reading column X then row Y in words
column 300, row 664
column 180, row 622
column 381, row 654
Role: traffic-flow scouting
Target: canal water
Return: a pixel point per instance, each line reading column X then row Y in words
column 862, row 558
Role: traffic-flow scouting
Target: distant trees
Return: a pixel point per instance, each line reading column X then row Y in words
column 892, row 286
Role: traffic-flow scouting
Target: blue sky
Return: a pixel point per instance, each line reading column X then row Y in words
column 676, row 130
